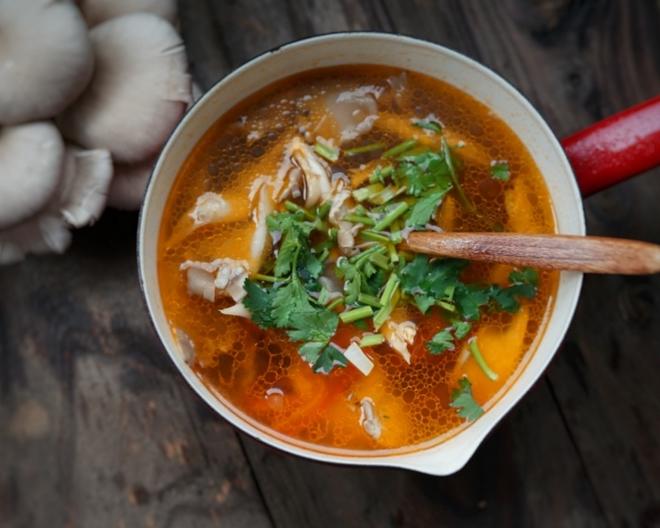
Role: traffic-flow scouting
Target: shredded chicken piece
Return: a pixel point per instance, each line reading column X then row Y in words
column 209, row 207
column 399, row 336
column 368, row 418
column 223, row 276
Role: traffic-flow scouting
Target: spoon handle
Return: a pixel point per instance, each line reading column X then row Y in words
column 560, row 252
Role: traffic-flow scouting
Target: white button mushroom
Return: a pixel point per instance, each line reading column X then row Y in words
column 46, row 58
column 31, row 162
column 139, row 91
column 97, row 11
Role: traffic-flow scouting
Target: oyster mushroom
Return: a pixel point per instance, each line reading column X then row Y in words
column 46, row 59
column 316, row 173
column 32, row 159
column 84, row 187
column 58, row 189
column 97, row 11
column 139, row 91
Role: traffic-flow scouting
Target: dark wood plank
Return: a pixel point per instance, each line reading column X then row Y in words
column 97, row 427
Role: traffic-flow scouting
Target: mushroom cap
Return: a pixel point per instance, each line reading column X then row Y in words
column 97, row 11
column 139, row 91
column 31, row 162
column 85, row 183
column 128, row 185
column 46, row 58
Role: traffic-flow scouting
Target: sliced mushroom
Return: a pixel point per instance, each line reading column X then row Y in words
column 316, row 173
column 46, row 58
column 85, row 184
column 139, row 91
column 399, row 336
column 128, row 185
column 261, row 242
column 97, row 11
column 31, row 163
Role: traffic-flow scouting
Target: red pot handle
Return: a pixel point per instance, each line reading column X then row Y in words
column 616, row 148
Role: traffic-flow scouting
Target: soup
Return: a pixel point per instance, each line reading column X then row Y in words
column 284, row 273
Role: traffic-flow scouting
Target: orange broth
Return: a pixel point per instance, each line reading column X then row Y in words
column 260, row 371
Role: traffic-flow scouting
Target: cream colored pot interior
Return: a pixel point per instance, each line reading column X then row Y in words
column 441, row 456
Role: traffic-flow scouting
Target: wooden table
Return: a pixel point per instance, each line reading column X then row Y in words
column 97, row 428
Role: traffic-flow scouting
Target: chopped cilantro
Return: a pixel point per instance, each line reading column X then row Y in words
column 441, row 342
column 499, row 170
column 425, row 208
column 464, row 402
column 461, row 329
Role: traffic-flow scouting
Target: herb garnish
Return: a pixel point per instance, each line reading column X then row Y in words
column 499, row 170
column 464, row 402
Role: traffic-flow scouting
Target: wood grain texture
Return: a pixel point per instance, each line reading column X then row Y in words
column 96, row 428
column 589, row 254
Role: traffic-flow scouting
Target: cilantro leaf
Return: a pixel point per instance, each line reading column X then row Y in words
column 441, row 342
column 313, row 325
column 311, row 351
column 288, row 301
column 524, row 283
column 469, row 300
column 259, row 302
column 423, row 170
column 461, row 329
column 500, row 171
column 328, row 359
column 425, row 208
column 524, row 276
column 464, row 402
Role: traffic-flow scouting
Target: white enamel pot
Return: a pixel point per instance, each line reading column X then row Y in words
column 440, row 456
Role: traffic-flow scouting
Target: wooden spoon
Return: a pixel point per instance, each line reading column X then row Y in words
column 560, row 252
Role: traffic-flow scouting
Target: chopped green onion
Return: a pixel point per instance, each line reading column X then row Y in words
column 384, row 196
column 295, row 208
column 370, row 340
column 368, row 299
column 396, row 237
column 335, row 303
column 332, row 233
column 400, row 148
column 265, row 278
column 389, row 288
column 358, row 219
column 363, row 149
column 431, row 125
column 383, row 314
column 380, row 174
column 394, row 256
column 467, row 203
column 380, row 260
column 355, row 315
column 476, row 354
column 373, row 235
column 323, row 209
column 391, row 216
column 367, row 192
column 326, row 151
